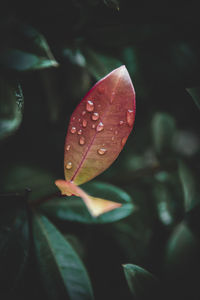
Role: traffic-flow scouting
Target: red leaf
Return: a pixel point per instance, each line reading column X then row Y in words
column 99, row 127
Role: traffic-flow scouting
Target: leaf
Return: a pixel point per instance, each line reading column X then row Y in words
column 112, row 3
column 11, row 107
column 73, row 209
column 95, row 137
column 163, row 127
column 96, row 206
column 97, row 63
column 195, row 93
column 188, row 185
column 142, row 284
column 14, row 244
column 62, row 271
column 26, row 49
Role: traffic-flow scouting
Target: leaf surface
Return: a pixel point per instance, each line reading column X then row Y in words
column 99, row 127
column 195, row 93
column 73, row 209
column 63, row 273
column 96, row 206
column 11, row 107
column 142, row 284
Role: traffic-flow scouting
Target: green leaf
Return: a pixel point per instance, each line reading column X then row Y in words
column 142, row 284
column 195, row 93
column 188, row 185
column 26, row 49
column 62, row 272
column 73, row 208
column 20, row 176
column 163, row 129
column 11, row 107
column 99, row 64
column 14, row 244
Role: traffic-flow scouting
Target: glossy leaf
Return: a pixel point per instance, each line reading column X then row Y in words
column 96, row 206
column 142, row 284
column 195, row 93
column 73, row 209
column 11, row 108
column 26, row 49
column 99, row 127
column 63, row 273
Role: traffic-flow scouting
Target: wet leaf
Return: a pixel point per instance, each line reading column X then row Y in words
column 195, row 93
column 99, row 127
column 73, row 209
column 63, row 273
column 11, row 107
column 25, row 49
column 142, row 284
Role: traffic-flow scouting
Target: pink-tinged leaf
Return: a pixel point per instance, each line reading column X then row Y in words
column 96, row 206
column 99, row 127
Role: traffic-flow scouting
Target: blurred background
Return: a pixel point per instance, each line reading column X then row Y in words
column 49, row 58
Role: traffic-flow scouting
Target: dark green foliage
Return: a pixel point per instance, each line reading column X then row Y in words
column 49, row 243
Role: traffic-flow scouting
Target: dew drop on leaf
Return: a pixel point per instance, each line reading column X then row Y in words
column 84, row 123
column 73, row 118
column 130, row 117
column 93, row 126
column 73, row 129
column 80, row 132
column 69, row 165
column 100, row 127
column 83, row 113
column 68, row 147
column 116, row 132
column 112, row 138
column 121, row 122
column 89, row 106
column 101, row 151
column 95, row 116
column 82, row 140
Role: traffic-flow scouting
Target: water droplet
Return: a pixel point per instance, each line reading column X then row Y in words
column 73, row 129
column 82, row 140
column 130, row 117
column 124, row 140
column 80, row 132
column 95, row 116
column 116, row 132
column 102, row 151
column 111, row 128
column 99, row 105
column 93, row 126
column 100, row 127
column 112, row 97
column 101, row 89
column 112, row 138
column 89, row 106
column 68, row 147
column 83, row 113
column 73, row 118
column 84, row 123
column 79, row 120
column 69, row 165
column 121, row 122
